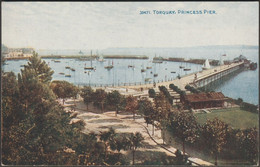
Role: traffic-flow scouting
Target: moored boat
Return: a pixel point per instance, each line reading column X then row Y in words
column 186, row 69
column 109, row 67
column 206, row 65
column 143, row 70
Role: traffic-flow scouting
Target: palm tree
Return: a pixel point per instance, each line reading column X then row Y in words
column 107, row 136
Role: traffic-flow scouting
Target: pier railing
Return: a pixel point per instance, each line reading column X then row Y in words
column 124, row 84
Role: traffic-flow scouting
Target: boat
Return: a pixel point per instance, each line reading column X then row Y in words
column 206, row 65
column 61, row 73
column 186, row 69
column 22, row 65
column 173, row 72
column 101, row 59
column 57, row 61
column 5, row 63
column 68, row 75
column 131, row 66
column 67, row 67
column 143, row 69
column 147, row 79
column 155, row 75
column 157, row 61
column 72, row 69
column 89, row 68
column 181, row 66
column 149, row 67
column 109, row 66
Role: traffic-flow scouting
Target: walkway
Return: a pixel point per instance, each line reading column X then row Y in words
column 124, row 123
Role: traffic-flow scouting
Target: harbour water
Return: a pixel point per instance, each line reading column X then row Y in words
column 121, row 74
column 243, row 85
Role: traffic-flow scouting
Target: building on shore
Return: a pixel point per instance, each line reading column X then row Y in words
column 204, row 100
column 14, row 53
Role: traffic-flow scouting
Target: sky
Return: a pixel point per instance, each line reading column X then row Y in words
column 100, row 25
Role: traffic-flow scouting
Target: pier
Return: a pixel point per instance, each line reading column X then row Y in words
column 204, row 77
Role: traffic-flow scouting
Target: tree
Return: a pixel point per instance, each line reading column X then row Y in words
column 147, row 109
column 87, row 95
column 215, row 134
column 162, row 106
column 107, row 136
column 114, row 98
column 64, row 89
column 166, row 93
column 131, row 105
column 248, row 144
column 42, row 70
column 40, row 128
column 239, row 101
column 100, row 97
column 162, row 109
column 135, row 141
column 118, row 142
column 180, row 159
column 151, row 93
column 184, row 125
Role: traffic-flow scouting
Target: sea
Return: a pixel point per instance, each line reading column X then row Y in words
column 243, row 85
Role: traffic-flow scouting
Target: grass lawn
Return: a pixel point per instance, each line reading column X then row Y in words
column 235, row 117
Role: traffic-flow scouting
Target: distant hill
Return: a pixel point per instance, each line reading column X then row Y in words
column 162, row 50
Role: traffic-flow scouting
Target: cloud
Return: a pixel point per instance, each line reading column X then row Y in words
column 76, row 25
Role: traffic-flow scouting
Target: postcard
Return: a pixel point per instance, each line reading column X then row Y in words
column 130, row 83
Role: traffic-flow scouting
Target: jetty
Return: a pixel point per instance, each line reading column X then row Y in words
column 197, row 79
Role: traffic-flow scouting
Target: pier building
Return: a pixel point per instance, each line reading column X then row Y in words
column 204, row 100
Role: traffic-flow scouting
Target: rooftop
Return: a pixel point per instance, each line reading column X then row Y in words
column 200, row 97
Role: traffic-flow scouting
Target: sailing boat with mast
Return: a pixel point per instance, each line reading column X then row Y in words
column 68, row 75
column 181, row 66
column 101, row 59
column 143, row 70
column 131, row 66
column 109, row 66
column 206, row 65
column 186, row 69
column 90, row 68
column 157, row 59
